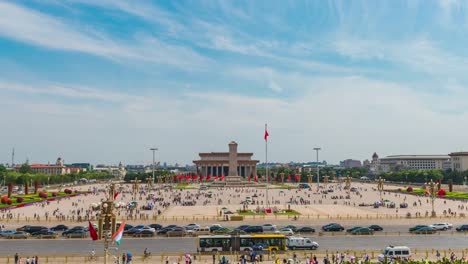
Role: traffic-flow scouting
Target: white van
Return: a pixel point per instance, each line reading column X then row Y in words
column 394, row 252
column 199, row 231
column 301, row 243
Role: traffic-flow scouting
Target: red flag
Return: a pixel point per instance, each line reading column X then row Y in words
column 289, row 177
column 194, row 177
column 92, row 231
column 116, row 194
column 215, row 178
column 266, row 134
column 222, row 178
column 174, row 178
column 187, row 177
column 181, row 176
column 209, row 177
column 256, row 178
column 297, row 177
column 248, row 178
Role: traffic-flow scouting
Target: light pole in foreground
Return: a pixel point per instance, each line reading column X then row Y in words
column 318, row 169
column 154, row 150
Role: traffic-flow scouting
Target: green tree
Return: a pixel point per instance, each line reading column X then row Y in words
column 25, row 168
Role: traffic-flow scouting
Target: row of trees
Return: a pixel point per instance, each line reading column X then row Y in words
column 425, row 176
column 21, row 177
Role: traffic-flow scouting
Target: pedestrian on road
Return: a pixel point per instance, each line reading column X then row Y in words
column 16, row 258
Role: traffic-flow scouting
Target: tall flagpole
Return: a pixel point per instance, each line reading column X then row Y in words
column 266, row 164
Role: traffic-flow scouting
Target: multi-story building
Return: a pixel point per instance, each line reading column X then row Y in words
column 413, row 162
column 56, row 169
column 117, row 171
column 350, row 163
column 459, row 161
column 138, row 169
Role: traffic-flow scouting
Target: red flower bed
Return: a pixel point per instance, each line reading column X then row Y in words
column 43, row 195
column 4, row 199
column 441, row 192
column 9, row 201
column 19, row 199
column 68, row 191
column 409, row 189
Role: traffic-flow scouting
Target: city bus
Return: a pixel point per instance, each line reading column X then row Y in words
column 270, row 242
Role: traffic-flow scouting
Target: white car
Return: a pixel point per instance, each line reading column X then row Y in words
column 285, row 231
column 269, row 227
column 442, row 226
column 147, row 228
column 191, row 226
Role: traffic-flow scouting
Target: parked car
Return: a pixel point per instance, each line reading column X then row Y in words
column 285, row 231
column 254, row 229
column 59, row 228
column 176, row 232
column 443, row 226
column 376, row 227
column 19, row 235
column 301, row 243
column 293, row 227
column 156, row 226
column 269, row 227
column 425, row 230
column 362, row 231
column 77, row 234
column 191, row 226
column 76, row 228
column 6, row 233
column 305, row 229
column 144, row 233
column 333, row 227
column 222, row 230
column 237, row 232
column 349, row 230
column 414, row 228
column 214, row 227
column 45, row 234
column 133, row 230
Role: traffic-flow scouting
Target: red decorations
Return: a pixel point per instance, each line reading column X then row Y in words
column 54, row 194
column 9, row 201
column 19, row 199
column 43, row 195
column 68, row 191
column 409, row 189
column 441, row 192
column 4, row 199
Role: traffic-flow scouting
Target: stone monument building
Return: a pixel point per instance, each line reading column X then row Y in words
column 232, row 165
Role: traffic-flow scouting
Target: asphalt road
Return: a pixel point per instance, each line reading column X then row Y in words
column 136, row 246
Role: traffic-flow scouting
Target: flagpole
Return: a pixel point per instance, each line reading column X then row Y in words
column 266, row 164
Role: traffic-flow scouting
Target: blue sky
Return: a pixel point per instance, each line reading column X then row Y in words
column 104, row 80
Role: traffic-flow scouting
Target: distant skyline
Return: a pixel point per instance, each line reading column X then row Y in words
column 105, row 80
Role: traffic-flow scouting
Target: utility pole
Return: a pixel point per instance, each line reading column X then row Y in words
column 154, row 150
column 13, row 158
column 318, row 169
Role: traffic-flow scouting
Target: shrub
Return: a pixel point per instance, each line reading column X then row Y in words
column 68, row 191
column 43, row 195
column 4, row 199
column 19, row 199
column 9, row 201
column 54, row 194
column 441, row 192
column 409, row 189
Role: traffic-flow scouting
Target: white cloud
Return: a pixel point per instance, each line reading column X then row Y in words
column 35, row 28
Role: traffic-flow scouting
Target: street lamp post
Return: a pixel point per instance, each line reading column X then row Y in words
column 348, row 183
column 318, row 169
column 432, row 191
column 107, row 221
column 154, row 151
column 135, row 187
column 309, row 177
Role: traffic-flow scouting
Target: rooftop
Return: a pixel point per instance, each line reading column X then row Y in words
column 416, row 157
column 461, row 153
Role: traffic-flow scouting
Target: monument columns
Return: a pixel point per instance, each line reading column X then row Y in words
column 233, row 159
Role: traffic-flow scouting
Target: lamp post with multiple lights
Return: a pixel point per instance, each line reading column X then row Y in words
column 318, row 169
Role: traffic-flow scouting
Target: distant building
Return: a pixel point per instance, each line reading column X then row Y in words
column 138, row 169
column 366, row 163
column 57, row 169
column 409, row 162
column 459, row 161
column 350, row 163
column 118, row 172
column 84, row 166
